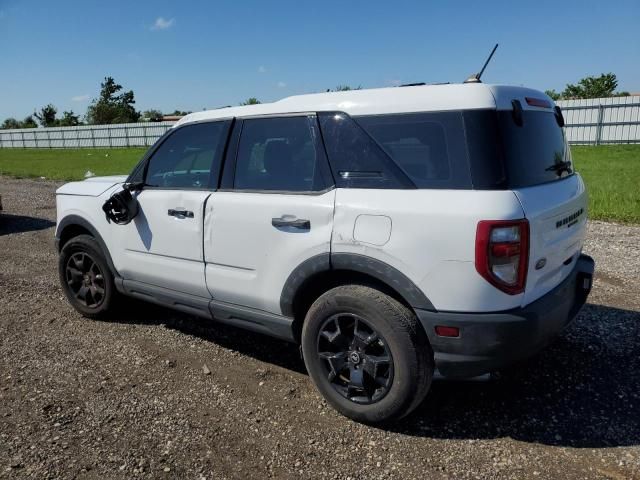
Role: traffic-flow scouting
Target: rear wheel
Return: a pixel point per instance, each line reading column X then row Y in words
column 366, row 353
column 85, row 276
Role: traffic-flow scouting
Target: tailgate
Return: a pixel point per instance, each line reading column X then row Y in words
column 557, row 214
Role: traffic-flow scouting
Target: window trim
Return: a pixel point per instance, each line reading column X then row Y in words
column 212, row 184
column 228, row 175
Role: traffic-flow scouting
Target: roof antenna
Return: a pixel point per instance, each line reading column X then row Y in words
column 475, row 78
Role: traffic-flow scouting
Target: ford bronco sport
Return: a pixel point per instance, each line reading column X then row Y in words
column 390, row 232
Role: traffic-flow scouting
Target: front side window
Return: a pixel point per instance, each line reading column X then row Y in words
column 189, row 158
column 278, row 154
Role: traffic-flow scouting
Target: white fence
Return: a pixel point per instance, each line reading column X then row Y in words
column 597, row 121
column 593, row 122
column 90, row 136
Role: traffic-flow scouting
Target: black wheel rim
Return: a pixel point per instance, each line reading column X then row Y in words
column 85, row 280
column 355, row 358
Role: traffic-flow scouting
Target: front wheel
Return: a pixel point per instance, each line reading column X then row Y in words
column 85, row 276
column 367, row 354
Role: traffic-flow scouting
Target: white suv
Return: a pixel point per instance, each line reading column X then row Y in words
column 390, row 232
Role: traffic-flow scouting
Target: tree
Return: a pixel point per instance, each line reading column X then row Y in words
column 180, row 113
column 28, row 122
column 152, row 115
column 47, row 116
column 11, row 123
column 110, row 107
column 344, row 88
column 593, row 87
column 251, row 101
column 69, row 119
column 553, row 94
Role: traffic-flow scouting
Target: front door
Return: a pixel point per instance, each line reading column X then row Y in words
column 275, row 211
column 162, row 246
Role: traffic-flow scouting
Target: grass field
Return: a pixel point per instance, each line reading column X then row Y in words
column 612, row 175
column 611, row 172
column 67, row 164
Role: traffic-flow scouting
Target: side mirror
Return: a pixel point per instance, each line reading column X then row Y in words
column 121, row 207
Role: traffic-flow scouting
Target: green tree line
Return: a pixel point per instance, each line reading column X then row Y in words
column 113, row 105
column 116, row 105
column 590, row 87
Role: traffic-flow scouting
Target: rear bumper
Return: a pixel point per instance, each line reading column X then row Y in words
column 489, row 341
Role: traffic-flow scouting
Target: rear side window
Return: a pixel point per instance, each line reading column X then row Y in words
column 536, row 151
column 428, row 147
column 356, row 159
column 278, row 154
column 189, row 158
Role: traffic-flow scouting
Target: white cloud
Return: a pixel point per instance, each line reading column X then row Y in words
column 262, row 69
column 281, row 84
column 80, row 98
column 162, row 23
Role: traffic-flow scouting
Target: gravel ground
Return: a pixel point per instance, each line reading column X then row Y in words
column 156, row 394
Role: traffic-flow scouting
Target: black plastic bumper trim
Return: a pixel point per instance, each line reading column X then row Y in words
column 489, row 341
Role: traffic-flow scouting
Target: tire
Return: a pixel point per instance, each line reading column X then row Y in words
column 85, row 277
column 388, row 342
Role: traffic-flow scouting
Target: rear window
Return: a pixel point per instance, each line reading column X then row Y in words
column 536, row 151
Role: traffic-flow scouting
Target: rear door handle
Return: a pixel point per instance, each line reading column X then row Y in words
column 294, row 222
column 180, row 213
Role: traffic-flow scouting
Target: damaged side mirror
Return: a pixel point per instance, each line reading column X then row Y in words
column 122, row 206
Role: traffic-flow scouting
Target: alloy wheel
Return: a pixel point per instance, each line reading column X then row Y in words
column 355, row 358
column 85, row 279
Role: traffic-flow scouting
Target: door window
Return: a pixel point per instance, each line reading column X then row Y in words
column 278, row 154
column 189, row 158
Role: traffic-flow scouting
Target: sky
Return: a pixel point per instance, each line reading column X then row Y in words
column 192, row 55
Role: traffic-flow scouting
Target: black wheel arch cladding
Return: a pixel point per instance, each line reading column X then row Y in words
column 75, row 221
column 350, row 262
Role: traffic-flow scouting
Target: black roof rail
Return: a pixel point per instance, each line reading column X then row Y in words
column 419, row 84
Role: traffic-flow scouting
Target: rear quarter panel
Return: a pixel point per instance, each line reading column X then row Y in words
column 431, row 239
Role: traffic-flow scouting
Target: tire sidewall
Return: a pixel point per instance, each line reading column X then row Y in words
column 85, row 243
column 398, row 339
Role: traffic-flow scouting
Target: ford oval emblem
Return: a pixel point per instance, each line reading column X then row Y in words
column 541, row 263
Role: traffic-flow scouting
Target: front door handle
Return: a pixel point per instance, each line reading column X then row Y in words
column 287, row 221
column 180, row 213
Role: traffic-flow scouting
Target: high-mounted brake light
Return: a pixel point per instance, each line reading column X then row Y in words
column 502, row 253
column 537, row 102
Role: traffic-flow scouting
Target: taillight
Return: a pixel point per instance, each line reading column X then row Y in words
column 502, row 253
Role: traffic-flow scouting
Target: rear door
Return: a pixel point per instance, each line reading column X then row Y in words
column 540, row 172
column 162, row 246
column 273, row 211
